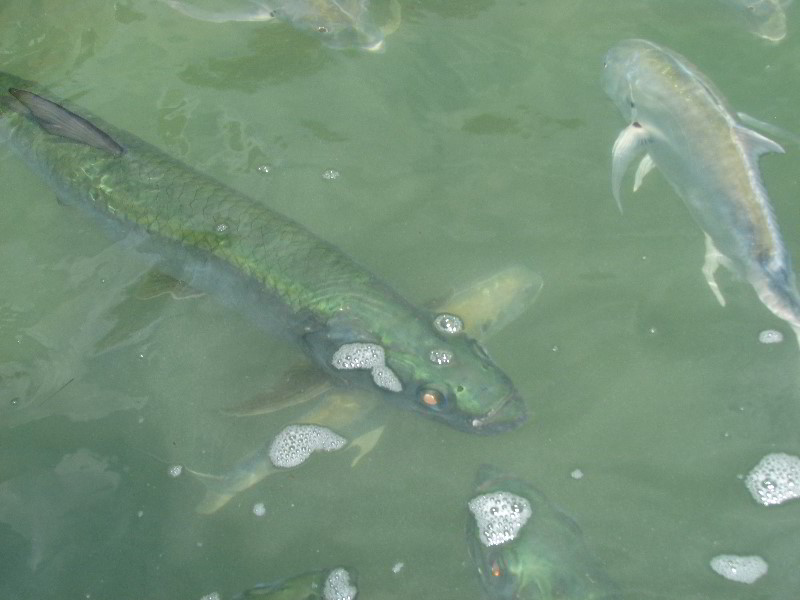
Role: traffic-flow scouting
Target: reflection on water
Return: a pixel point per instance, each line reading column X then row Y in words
column 479, row 139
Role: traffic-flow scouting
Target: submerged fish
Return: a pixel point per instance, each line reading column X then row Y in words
column 327, row 584
column 351, row 324
column 525, row 548
column 339, row 23
column 765, row 18
column 681, row 124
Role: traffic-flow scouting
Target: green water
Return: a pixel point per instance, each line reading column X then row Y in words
column 479, row 139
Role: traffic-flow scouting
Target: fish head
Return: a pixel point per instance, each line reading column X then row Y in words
column 634, row 72
column 339, row 24
column 492, row 545
column 526, row 549
column 766, row 18
column 448, row 376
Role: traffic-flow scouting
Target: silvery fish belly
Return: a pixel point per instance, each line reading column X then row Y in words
column 327, row 584
column 351, row 324
column 526, row 549
column 680, row 124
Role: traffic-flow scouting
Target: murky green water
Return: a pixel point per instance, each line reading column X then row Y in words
column 479, row 139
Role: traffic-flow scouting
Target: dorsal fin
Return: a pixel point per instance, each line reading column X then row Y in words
column 56, row 119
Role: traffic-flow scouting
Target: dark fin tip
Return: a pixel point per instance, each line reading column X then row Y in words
column 57, row 120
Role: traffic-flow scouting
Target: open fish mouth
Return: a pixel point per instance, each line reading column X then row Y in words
column 507, row 415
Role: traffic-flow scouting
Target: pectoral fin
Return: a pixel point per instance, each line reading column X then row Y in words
column 365, row 443
column 298, row 386
column 714, row 258
column 394, row 18
column 627, row 147
column 57, row 120
column 488, row 305
column 643, row 169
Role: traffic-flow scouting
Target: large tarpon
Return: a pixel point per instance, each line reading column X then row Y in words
column 682, row 125
column 350, row 323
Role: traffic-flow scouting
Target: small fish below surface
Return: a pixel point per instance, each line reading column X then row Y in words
column 338, row 23
column 351, row 324
column 680, row 124
column 326, row 584
column 525, row 548
column 765, row 18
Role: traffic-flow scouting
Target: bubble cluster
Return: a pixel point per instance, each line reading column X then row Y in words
column 384, row 377
column 330, row 174
column 358, row 356
column 259, row 509
column 775, row 479
column 295, row 443
column 743, row 569
column 175, row 470
column 361, row 355
column 499, row 516
column 441, row 357
column 338, row 587
column 447, row 323
column 770, row 336
column 211, row 596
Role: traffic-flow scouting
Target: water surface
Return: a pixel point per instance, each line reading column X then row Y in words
column 479, row 139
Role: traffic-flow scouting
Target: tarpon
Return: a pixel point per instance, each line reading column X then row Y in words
column 527, row 549
column 681, row 124
column 350, row 323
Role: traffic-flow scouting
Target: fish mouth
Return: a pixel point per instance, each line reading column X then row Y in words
column 507, row 415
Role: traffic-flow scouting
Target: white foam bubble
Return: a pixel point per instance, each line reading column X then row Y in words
column 361, row 355
column 576, row 474
column 338, row 587
column 384, row 377
column 358, row 356
column 211, row 596
column 499, row 516
column 259, row 509
column 775, row 479
column 770, row 336
column 295, row 443
column 744, row 569
column 175, row 470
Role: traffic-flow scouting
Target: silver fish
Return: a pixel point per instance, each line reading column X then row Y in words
column 681, row 124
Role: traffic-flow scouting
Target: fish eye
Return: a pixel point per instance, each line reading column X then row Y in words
column 432, row 399
column 497, row 570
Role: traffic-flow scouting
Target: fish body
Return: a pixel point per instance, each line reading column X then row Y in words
column 220, row 241
column 338, row 23
column 547, row 559
column 680, row 124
